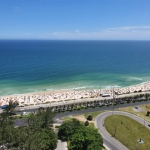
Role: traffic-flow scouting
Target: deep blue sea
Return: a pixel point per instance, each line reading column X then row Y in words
column 36, row 65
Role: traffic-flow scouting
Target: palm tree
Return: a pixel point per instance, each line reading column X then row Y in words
column 10, row 107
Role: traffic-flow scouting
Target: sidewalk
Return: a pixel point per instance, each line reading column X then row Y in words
column 61, row 145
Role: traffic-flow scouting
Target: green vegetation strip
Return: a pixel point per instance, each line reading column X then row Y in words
column 94, row 114
column 128, row 131
column 141, row 111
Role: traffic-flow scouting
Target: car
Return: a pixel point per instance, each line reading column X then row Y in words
column 24, row 113
column 4, row 106
column 106, row 104
column 149, row 125
column 21, row 105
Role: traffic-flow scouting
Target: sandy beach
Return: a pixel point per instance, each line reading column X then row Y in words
column 46, row 97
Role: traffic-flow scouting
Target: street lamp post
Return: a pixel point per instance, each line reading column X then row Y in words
column 146, row 102
column 53, row 93
column 74, row 96
column 113, row 100
column 115, row 131
column 136, row 147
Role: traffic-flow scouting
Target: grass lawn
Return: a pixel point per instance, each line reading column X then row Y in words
column 140, row 113
column 19, row 116
column 67, row 118
column 128, row 132
column 94, row 114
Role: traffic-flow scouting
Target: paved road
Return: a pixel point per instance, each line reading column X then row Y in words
column 59, row 103
column 20, row 122
column 109, row 143
column 89, row 110
column 108, row 140
column 61, row 145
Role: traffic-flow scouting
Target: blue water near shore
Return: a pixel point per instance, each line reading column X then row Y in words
column 32, row 65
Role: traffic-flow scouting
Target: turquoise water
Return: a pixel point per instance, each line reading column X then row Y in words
column 32, row 66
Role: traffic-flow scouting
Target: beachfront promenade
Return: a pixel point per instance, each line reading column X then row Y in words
column 63, row 97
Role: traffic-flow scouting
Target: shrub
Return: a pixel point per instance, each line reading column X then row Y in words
column 86, row 123
column 147, row 113
column 89, row 117
column 57, row 126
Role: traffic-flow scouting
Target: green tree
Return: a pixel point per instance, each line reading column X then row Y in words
column 42, row 119
column 44, row 140
column 36, row 135
column 86, row 138
column 39, row 135
column 80, row 137
column 89, row 117
column 6, row 123
column 86, row 123
column 68, row 128
column 9, row 110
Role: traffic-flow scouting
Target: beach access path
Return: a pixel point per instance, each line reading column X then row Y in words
column 61, row 145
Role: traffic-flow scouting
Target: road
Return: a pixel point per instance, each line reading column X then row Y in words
column 21, row 122
column 109, row 141
column 76, row 101
column 61, row 145
column 89, row 110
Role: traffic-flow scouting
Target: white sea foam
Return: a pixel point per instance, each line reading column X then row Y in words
column 37, row 91
column 65, row 89
column 135, row 78
column 77, row 88
column 90, row 86
column 110, row 87
column 49, row 89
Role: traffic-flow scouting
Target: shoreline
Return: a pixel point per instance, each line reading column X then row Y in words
column 51, row 96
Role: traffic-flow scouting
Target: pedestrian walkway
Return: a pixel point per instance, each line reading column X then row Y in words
column 61, row 145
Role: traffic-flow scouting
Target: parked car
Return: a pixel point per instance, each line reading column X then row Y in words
column 4, row 106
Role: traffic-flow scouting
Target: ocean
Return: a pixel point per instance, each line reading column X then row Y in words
column 41, row 65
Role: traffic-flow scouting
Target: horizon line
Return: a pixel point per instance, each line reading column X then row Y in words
column 74, row 39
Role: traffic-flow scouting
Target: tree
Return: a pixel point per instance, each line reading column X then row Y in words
column 47, row 139
column 89, row 117
column 37, row 135
column 146, row 96
column 79, row 136
column 86, row 138
column 147, row 113
column 68, row 128
column 10, row 107
column 6, row 124
column 44, row 139
column 86, row 123
column 42, row 119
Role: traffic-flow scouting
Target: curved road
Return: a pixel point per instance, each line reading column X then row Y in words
column 110, row 142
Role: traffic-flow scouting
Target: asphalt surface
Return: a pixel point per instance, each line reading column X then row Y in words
column 61, row 145
column 109, row 141
column 89, row 110
column 20, row 122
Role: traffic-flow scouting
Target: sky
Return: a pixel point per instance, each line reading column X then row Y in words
column 75, row 19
